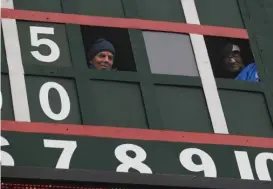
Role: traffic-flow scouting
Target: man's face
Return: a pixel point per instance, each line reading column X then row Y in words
column 103, row 60
column 233, row 62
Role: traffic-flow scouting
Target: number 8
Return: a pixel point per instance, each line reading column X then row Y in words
column 128, row 162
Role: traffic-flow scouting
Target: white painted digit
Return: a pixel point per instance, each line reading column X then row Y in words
column 128, row 162
column 36, row 42
column 207, row 164
column 6, row 158
column 244, row 165
column 68, row 149
column 261, row 165
column 44, row 101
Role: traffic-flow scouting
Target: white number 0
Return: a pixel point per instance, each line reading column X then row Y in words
column 44, row 101
column 36, row 42
column 260, row 165
column 68, row 149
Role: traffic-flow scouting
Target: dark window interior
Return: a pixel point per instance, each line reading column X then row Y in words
column 124, row 59
column 215, row 46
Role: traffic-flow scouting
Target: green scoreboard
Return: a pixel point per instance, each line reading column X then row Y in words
column 162, row 119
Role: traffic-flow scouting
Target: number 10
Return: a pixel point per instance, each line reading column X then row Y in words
column 260, row 165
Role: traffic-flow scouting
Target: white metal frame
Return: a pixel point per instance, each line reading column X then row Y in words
column 205, row 71
column 15, row 66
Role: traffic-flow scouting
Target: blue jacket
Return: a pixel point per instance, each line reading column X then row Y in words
column 249, row 73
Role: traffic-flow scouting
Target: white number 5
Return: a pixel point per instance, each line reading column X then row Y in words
column 68, row 150
column 36, row 42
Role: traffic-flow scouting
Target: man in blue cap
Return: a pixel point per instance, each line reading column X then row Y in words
column 232, row 63
column 101, row 55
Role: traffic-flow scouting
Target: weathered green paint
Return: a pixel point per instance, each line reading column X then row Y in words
column 34, row 85
column 238, row 85
column 6, row 109
column 183, row 109
column 176, row 80
column 4, row 66
column 59, row 38
column 94, row 153
column 115, row 103
column 39, row 5
column 266, row 46
column 40, row 70
column 257, row 16
column 111, row 8
column 246, row 113
column 161, row 10
column 219, row 13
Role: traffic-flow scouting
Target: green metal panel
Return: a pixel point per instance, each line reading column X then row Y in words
column 4, row 66
column 39, row 5
column 162, row 10
column 37, row 114
column 258, row 18
column 77, row 50
column 115, row 104
column 111, row 8
column 238, row 85
column 95, row 153
column 266, row 45
column 183, row 109
column 219, row 13
column 146, row 84
column 177, row 80
column 246, row 113
column 59, row 37
column 7, row 106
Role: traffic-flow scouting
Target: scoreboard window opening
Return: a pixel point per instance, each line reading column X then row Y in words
column 123, row 59
column 170, row 53
column 224, row 54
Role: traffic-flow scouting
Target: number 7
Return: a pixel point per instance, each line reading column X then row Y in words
column 68, row 149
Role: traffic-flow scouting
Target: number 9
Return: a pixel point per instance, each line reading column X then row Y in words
column 207, row 164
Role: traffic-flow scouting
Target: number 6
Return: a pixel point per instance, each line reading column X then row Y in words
column 6, row 158
column 55, row 51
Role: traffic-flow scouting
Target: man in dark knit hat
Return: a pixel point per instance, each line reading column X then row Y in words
column 233, row 64
column 101, row 55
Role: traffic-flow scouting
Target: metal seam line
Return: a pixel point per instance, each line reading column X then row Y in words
column 15, row 66
column 1, row 97
column 205, row 71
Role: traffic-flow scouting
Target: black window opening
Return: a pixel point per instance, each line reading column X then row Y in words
column 218, row 50
column 119, row 38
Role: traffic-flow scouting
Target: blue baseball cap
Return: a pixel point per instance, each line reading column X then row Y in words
column 100, row 45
